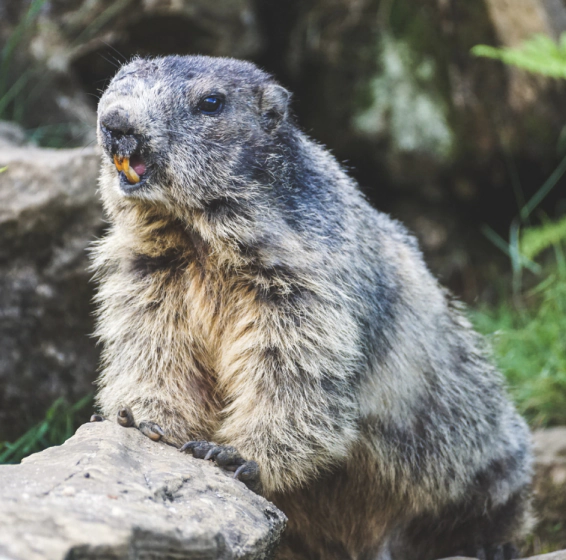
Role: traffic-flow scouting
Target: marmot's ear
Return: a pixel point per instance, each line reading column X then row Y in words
column 274, row 105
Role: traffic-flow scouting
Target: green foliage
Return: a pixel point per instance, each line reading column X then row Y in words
column 528, row 331
column 58, row 425
column 535, row 240
column 530, row 348
column 540, row 55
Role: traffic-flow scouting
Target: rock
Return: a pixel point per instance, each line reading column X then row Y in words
column 49, row 214
column 11, row 134
column 550, row 488
column 111, row 493
column 560, row 555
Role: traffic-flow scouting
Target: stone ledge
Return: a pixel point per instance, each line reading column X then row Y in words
column 111, row 493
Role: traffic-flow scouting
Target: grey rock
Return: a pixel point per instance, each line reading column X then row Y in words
column 550, row 449
column 11, row 134
column 560, row 555
column 111, row 493
column 49, row 214
column 550, row 487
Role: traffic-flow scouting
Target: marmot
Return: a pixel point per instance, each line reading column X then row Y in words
column 250, row 296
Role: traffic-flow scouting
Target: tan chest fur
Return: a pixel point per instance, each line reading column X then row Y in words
column 185, row 312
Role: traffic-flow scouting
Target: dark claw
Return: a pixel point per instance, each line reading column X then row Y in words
column 248, row 471
column 200, row 451
column 151, row 430
column 126, row 418
column 228, row 458
column 212, row 453
column 225, row 456
column 197, row 449
column 97, row 418
column 187, row 446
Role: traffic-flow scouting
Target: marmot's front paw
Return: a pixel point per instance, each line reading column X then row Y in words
column 152, row 430
column 228, row 458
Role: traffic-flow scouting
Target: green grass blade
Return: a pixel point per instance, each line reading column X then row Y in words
column 503, row 246
column 57, row 426
column 14, row 90
column 548, row 185
column 16, row 37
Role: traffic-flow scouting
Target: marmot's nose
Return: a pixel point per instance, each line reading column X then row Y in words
column 119, row 133
column 117, row 122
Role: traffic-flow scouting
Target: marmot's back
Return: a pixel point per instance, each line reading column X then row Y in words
column 250, row 296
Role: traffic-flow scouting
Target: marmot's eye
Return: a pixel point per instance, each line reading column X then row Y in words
column 211, row 104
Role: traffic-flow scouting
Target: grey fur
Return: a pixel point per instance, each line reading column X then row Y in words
column 249, row 295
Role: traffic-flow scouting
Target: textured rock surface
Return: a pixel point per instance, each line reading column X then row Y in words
column 550, row 486
column 49, row 213
column 560, row 555
column 11, row 134
column 111, row 493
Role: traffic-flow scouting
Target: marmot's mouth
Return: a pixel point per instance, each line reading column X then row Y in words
column 132, row 167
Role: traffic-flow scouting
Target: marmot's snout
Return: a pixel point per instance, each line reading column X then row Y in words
column 187, row 132
column 123, row 143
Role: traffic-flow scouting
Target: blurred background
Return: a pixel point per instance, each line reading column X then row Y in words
column 451, row 115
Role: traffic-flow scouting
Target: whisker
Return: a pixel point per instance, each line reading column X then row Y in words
column 115, row 50
column 112, row 62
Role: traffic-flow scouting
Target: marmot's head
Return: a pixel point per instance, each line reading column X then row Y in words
column 189, row 132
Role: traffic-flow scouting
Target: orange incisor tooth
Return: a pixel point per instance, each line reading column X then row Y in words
column 132, row 176
column 118, row 162
column 123, row 164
